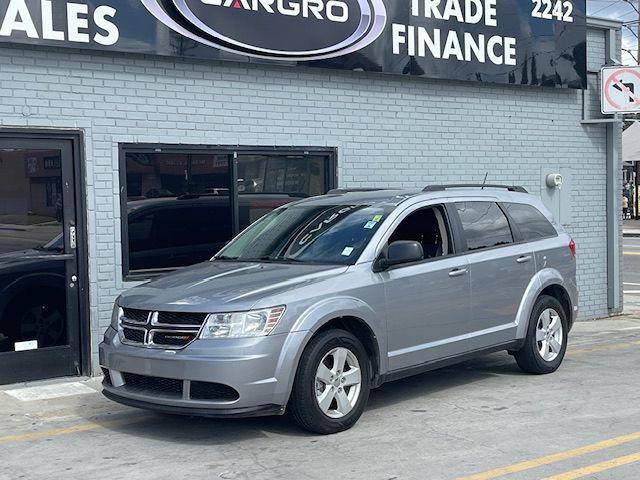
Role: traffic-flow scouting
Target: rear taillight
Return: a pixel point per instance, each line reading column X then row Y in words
column 572, row 247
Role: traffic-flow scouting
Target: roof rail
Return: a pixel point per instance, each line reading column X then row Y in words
column 438, row 188
column 339, row 191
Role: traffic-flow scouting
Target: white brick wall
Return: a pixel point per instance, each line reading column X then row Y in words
column 389, row 131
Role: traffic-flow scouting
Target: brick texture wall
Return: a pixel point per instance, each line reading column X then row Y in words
column 389, row 131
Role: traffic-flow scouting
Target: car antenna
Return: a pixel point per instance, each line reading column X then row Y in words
column 484, row 182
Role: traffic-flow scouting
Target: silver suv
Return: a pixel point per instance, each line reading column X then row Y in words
column 323, row 299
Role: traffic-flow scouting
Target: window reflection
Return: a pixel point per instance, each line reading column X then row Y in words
column 30, row 199
column 484, row 225
column 178, row 206
column 32, row 274
column 280, row 179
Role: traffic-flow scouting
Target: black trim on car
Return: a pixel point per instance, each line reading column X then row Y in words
column 516, row 234
column 258, row 411
column 446, row 362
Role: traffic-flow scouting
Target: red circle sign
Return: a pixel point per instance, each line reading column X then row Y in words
column 613, row 80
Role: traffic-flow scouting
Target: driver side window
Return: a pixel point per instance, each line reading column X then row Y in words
column 428, row 226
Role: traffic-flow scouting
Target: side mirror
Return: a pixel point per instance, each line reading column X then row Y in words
column 399, row 252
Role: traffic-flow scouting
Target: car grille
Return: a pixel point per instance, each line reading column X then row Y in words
column 179, row 318
column 134, row 334
column 136, row 316
column 212, row 391
column 154, row 385
column 171, row 387
column 159, row 329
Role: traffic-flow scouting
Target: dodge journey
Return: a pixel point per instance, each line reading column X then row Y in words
column 324, row 299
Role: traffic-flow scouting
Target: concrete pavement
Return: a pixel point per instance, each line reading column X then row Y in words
column 631, row 274
column 482, row 419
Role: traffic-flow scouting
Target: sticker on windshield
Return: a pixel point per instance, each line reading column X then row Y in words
column 347, row 251
column 370, row 225
column 376, row 218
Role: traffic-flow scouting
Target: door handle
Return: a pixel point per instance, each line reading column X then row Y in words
column 523, row 259
column 458, row 272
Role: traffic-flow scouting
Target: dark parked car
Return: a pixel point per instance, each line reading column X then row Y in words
column 32, row 296
column 170, row 232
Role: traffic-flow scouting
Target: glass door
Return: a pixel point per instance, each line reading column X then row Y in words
column 39, row 324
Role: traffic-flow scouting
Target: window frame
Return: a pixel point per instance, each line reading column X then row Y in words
column 454, row 246
column 464, row 245
column 232, row 153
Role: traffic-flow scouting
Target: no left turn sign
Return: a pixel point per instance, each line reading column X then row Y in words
column 620, row 90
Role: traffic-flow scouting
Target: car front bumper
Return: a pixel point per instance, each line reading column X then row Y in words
column 259, row 370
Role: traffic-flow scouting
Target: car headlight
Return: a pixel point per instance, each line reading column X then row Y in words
column 115, row 316
column 254, row 323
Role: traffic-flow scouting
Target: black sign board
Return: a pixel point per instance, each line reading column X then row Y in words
column 528, row 42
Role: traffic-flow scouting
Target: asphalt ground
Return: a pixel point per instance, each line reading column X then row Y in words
column 479, row 420
column 631, row 265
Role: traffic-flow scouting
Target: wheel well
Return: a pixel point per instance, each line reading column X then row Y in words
column 358, row 328
column 560, row 294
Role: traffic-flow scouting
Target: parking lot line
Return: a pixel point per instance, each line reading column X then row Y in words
column 55, row 432
column 631, row 253
column 556, row 457
column 597, row 467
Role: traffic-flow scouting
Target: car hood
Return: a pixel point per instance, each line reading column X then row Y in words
column 223, row 286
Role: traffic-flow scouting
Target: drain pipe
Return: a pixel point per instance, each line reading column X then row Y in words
column 614, row 168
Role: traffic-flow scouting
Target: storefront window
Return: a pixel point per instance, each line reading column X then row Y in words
column 180, row 202
column 268, row 181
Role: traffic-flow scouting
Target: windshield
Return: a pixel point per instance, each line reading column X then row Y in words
column 308, row 233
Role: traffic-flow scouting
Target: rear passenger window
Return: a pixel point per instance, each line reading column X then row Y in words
column 484, row 225
column 530, row 221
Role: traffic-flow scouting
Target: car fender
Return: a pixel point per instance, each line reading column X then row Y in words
column 540, row 281
column 311, row 320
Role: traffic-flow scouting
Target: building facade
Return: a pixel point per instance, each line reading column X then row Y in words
column 143, row 129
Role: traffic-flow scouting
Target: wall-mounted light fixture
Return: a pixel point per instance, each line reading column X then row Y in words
column 554, row 180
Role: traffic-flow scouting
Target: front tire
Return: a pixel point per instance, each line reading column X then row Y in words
column 546, row 341
column 332, row 383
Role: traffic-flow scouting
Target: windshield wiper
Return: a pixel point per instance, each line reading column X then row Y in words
column 224, row 257
column 299, row 260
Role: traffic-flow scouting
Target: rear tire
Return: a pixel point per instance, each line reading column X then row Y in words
column 332, row 383
column 546, row 341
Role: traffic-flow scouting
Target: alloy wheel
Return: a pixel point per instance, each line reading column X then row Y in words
column 338, row 382
column 549, row 334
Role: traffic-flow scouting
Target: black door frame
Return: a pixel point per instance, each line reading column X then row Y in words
column 76, row 139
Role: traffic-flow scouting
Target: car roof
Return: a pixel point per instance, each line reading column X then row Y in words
column 394, row 198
